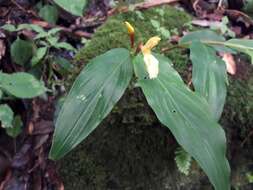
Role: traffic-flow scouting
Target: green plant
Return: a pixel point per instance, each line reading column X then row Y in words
column 30, row 54
column 16, row 85
column 192, row 116
column 33, row 53
column 183, row 161
column 224, row 28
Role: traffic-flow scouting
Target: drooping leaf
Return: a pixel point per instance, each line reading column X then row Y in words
column 40, row 53
column 209, row 76
column 188, row 117
column 21, row 85
column 33, row 27
column 54, row 31
column 13, row 28
column 64, row 45
column 183, row 161
column 75, row 6
column 49, row 13
column 16, row 128
column 92, row 96
column 62, row 65
column 242, row 45
column 6, row 116
column 205, row 36
column 202, row 35
column 21, row 51
column 9, row 27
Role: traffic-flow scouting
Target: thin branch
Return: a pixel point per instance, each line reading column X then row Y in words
column 140, row 6
column 23, row 9
column 78, row 33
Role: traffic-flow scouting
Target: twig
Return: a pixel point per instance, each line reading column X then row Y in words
column 78, row 33
column 246, row 139
column 23, row 9
column 140, row 6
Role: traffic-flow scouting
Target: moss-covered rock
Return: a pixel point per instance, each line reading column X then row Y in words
column 131, row 150
column 113, row 33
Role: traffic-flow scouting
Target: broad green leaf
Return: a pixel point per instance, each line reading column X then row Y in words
column 206, row 36
column 49, row 13
column 21, row 85
column 75, row 7
column 188, row 117
column 242, row 45
column 16, row 128
column 209, row 76
column 91, row 98
column 21, row 51
column 6, row 116
column 40, row 53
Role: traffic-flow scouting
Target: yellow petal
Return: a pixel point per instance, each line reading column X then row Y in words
column 130, row 28
column 152, row 65
column 152, row 42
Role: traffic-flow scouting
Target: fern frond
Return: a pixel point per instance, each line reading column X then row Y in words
column 183, row 160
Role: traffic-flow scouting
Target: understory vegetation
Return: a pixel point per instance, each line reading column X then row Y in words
column 126, row 95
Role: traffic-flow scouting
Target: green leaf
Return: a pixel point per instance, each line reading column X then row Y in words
column 165, row 32
column 64, row 45
column 206, row 35
column 202, row 35
column 21, row 51
column 188, row 117
column 91, row 98
column 54, row 31
column 33, row 27
column 21, row 85
column 53, row 40
column 9, row 27
column 183, row 161
column 75, row 7
column 209, row 76
column 6, row 116
column 62, row 65
column 12, row 28
column 40, row 53
column 1, row 94
column 49, row 13
column 16, row 128
column 242, row 45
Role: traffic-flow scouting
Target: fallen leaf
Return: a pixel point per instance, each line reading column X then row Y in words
column 2, row 49
column 230, row 63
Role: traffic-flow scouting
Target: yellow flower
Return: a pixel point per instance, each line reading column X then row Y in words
column 130, row 28
column 151, row 63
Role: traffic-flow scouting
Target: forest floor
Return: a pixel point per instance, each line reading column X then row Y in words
column 24, row 162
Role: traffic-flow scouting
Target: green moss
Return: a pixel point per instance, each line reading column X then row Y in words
column 113, row 33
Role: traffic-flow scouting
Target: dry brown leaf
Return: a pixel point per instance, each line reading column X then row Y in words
column 2, row 49
column 230, row 63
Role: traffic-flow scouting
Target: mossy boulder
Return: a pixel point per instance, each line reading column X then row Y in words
column 131, row 150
